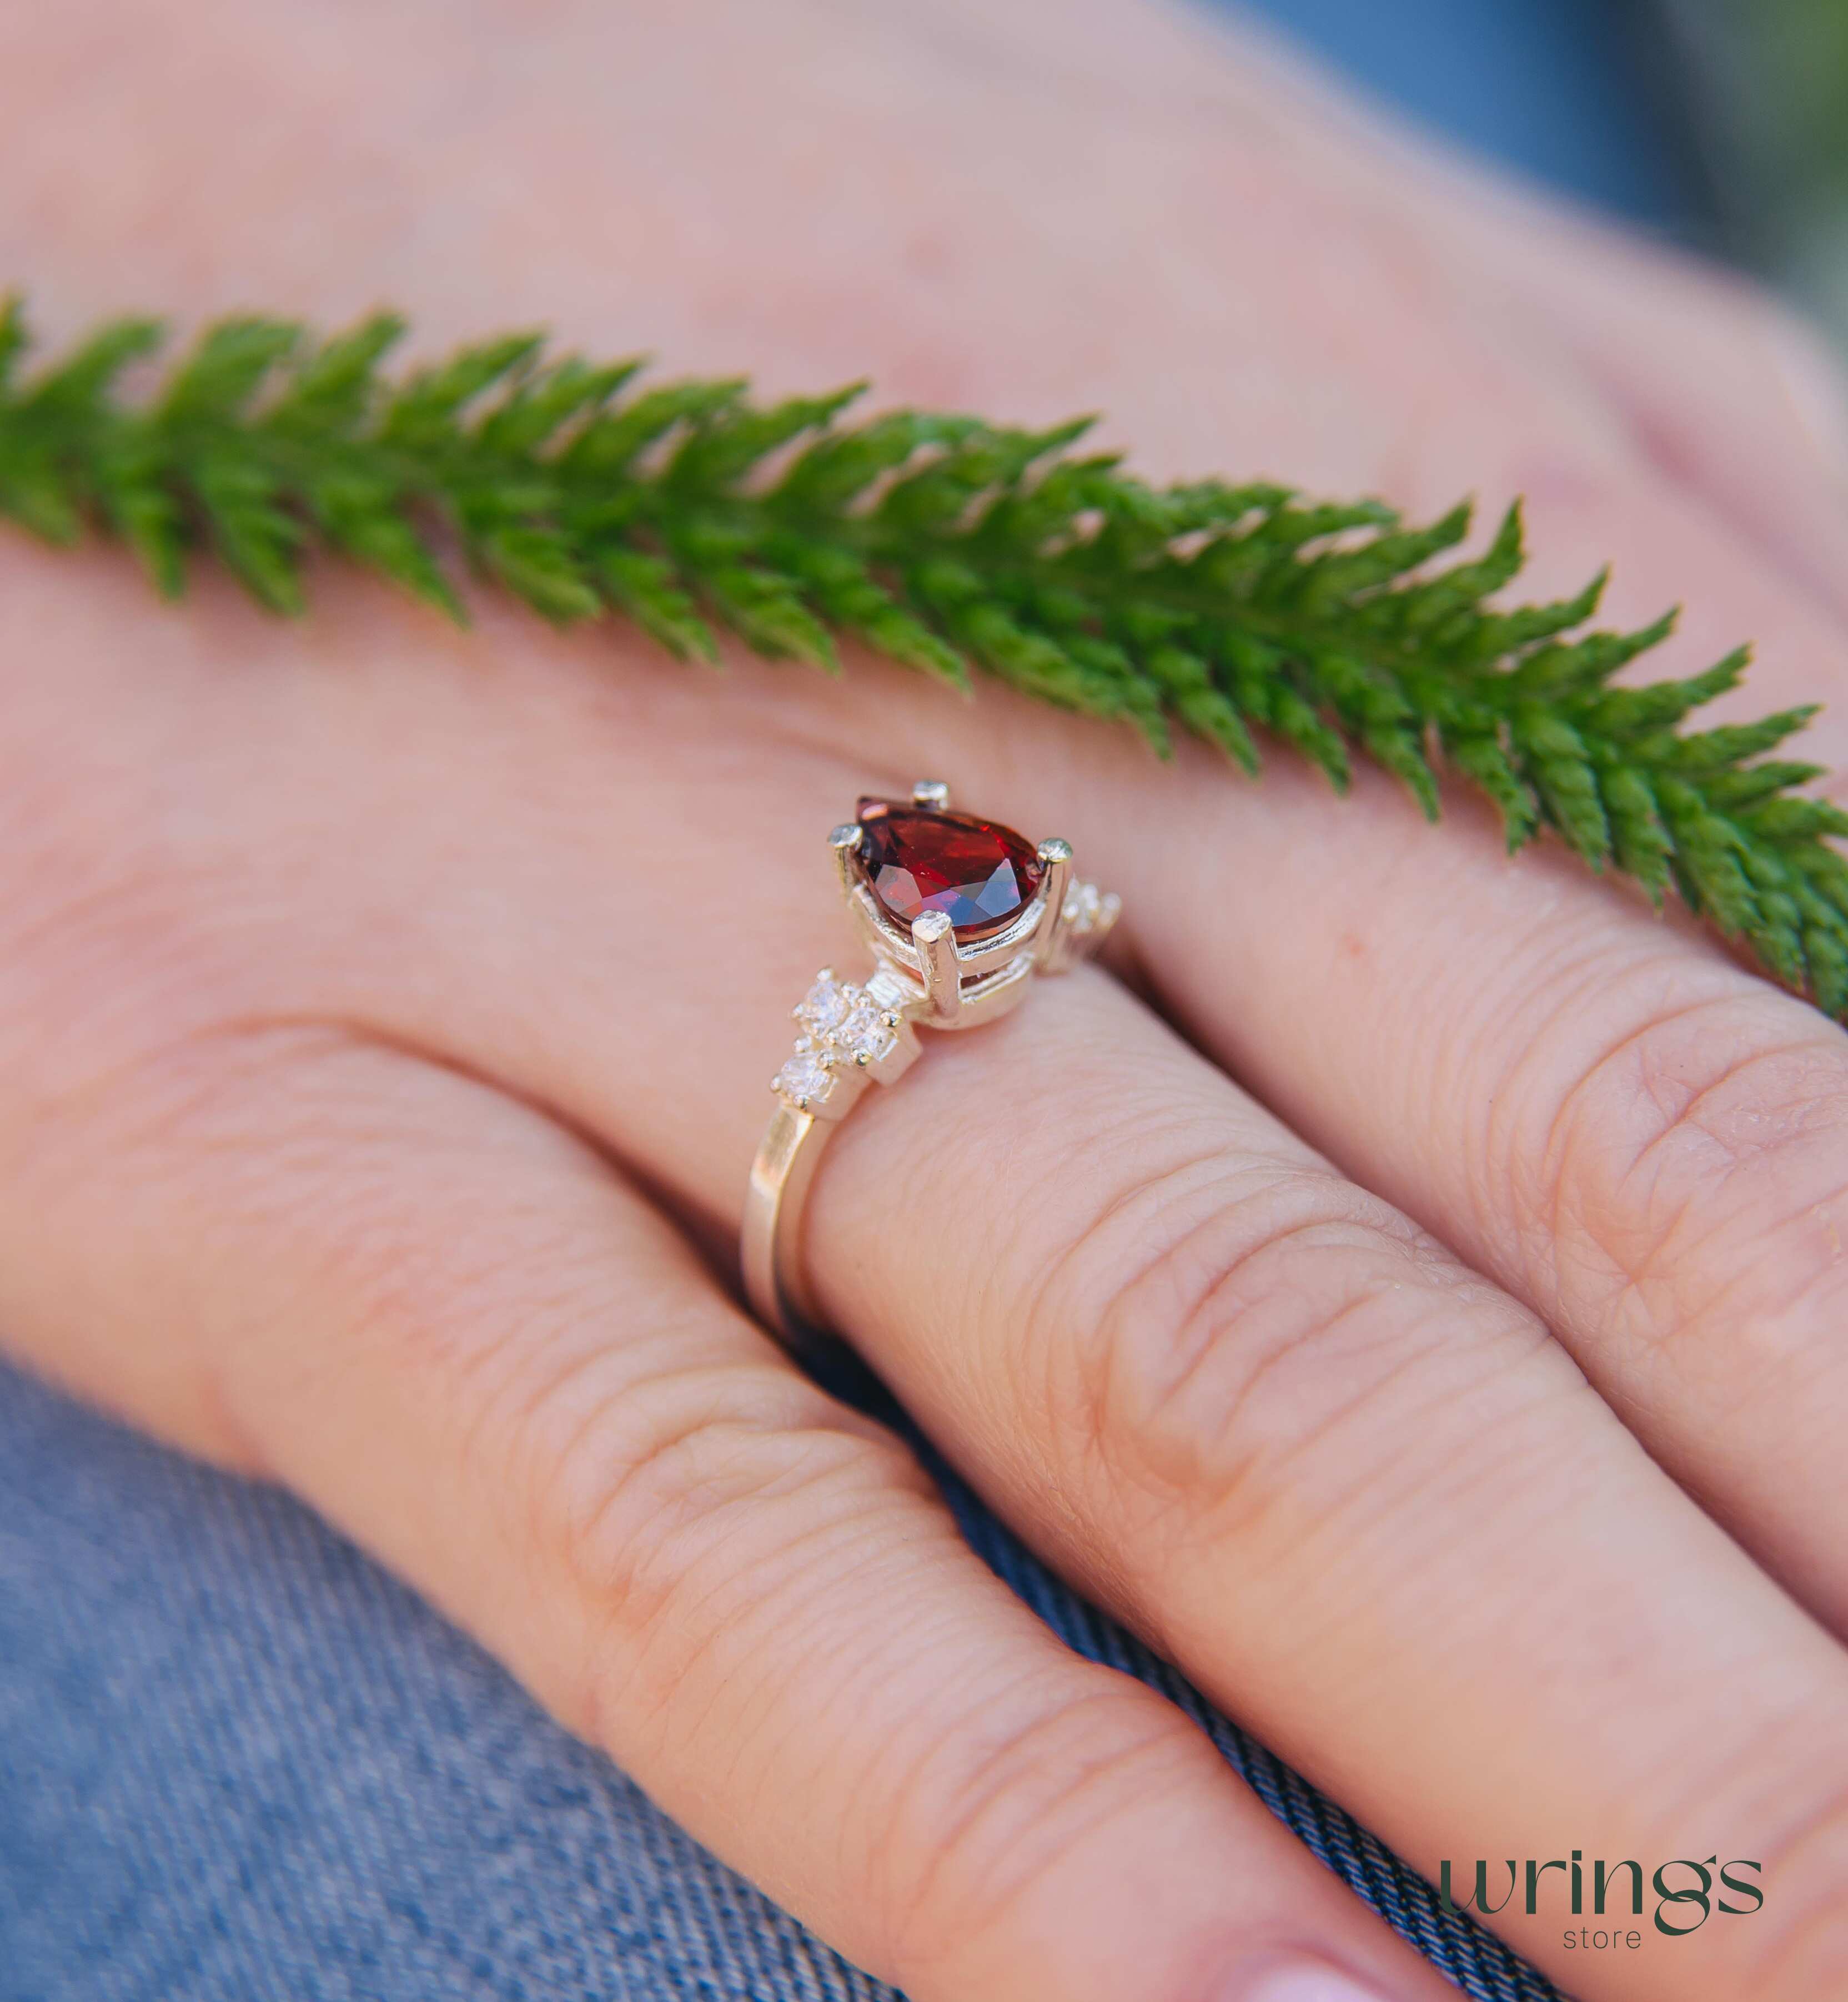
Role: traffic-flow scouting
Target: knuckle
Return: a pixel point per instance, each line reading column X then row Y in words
column 696, row 1460
column 686, row 1498
column 965, row 1836
column 1691, row 1169
column 104, row 949
column 1282, row 1318
column 668, row 1478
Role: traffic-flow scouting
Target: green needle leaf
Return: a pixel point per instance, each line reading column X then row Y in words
column 1221, row 609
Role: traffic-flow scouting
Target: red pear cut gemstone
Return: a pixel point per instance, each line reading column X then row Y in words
column 917, row 859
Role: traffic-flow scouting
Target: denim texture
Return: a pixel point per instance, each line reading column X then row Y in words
column 239, row 1763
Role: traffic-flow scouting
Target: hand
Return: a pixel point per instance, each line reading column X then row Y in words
column 383, row 1009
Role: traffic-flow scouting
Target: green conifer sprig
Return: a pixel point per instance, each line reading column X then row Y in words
column 942, row 542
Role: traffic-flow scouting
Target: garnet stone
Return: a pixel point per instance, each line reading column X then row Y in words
column 918, row 859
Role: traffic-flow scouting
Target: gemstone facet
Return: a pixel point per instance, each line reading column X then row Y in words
column 917, row 859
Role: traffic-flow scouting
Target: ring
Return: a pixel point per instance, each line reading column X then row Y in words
column 961, row 914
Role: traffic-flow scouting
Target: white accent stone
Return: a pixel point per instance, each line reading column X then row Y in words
column 804, row 1076
column 863, row 1033
column 886, row 990
column 825, row 1003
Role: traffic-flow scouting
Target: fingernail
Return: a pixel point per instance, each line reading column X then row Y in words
column 1306, row 1981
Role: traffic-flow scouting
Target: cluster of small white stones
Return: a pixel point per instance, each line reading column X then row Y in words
column 843, row 1026
column 1088, row 910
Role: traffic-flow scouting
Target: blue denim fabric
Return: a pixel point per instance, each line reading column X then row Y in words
column 239, row 1763
column 1575, row 93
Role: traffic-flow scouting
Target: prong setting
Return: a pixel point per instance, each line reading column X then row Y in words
column 926, row 974
column 934, row 939
column 1050, row 949
column 807, row 1080
column 845, row 842
column 1060, row 922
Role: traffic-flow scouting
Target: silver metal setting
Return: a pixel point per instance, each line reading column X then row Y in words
column 852, row 1034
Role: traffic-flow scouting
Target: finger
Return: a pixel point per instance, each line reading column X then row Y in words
column 1726, row 393
column 440, row 1317
column 1521, row 1654
column 1600, row 1109
column 1353, row 1490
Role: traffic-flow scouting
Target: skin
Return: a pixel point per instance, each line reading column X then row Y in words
column 1412, row 1300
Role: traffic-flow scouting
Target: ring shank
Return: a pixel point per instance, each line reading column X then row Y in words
column 776, row 1202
